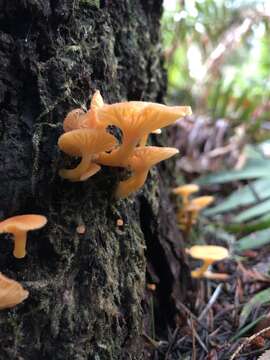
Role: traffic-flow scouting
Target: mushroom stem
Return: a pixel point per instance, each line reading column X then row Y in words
column 143, row 140
column 78, row 173
column 198, row 273
column 185, row 200
column 132, row 184
column 216, row 276
column 119, row 156
column 19, row 244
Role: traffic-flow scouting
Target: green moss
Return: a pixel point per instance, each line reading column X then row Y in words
column 95, row 3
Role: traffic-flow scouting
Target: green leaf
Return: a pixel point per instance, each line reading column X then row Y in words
column 253, row 241
column 246, row 328
column 254, row 169
column 253, row 212
column 260, row 224
column 259, row 299
column 246, row 195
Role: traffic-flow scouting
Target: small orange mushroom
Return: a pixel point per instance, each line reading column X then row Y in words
column 77, row 118
column 198, row 204
column 84, row 143
column 119, row 222
column 151, row 287
column 140, row 163
column 81, row 229
column 209, row 254
column 19, row 226
column 136, row 119
column 11, row 293
column 185, row 191
column 91, row 119
column 73, row 120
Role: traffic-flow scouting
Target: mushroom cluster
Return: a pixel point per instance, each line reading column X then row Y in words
column 86, row 136
column 190, row 208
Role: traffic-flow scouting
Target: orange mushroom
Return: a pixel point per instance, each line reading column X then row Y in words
column 144, row 139
column 136, row 119
column 208, row 254
column 185, row 191
column 11, row 293
column 77, row 118
column 198, row 204
column 84, row 143
column 74, row 120
column 140, row 163
column 19, row 226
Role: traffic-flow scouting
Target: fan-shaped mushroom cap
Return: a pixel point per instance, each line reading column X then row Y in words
column 18, row 226
column 208, row 252
column 140, row 118
column 201, row 202
column 89, row 141
column 97, row 100
column 74, row 120
column 11, row 292
column 136, row 120
column 22, row 223
column 145, row 157
column 140, row 162
column 84, row 143
column 77, row 118
column 186, row 190
column 91, row 120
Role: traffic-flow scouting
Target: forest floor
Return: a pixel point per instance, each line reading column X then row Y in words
column 222, row 322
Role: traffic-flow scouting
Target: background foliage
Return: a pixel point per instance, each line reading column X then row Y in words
column 217, row 55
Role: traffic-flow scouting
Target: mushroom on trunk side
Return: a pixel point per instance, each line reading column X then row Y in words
column 19, row 226
column 84, row 143
column 11, row 293
column 140, row 163
column 136, row 119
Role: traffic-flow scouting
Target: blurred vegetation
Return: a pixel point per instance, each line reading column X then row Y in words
column 217, row 56
column 218, row 60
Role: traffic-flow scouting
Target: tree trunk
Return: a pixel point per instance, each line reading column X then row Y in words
column 87, row 291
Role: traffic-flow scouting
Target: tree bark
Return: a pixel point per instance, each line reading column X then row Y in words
column 87, row 291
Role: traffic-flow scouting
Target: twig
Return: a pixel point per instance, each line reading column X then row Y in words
column 198, row 338
column 193, row 342
column 171, row 344
column 248, row 341
column 211, row 301
column 183, row 306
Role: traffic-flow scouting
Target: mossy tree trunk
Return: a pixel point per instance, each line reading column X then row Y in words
column 86, row 290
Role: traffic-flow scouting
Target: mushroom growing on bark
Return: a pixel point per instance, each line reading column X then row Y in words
column 85, row 143
column 87, row 137
column 77, row 118
column 140, row 163
column 11, row 293
column 136, row 119
column 19, row 226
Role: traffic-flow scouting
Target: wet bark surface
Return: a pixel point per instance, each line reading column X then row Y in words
column 86, row 290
